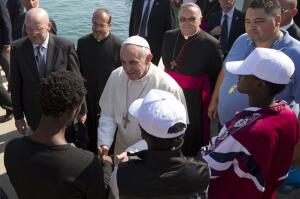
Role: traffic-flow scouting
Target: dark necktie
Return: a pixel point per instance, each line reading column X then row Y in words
column 40, row 61
column 144, row 22
column 224, row 32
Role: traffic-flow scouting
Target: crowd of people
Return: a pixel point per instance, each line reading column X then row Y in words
column 219, row 120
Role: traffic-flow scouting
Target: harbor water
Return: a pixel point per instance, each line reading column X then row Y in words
column 73, row 18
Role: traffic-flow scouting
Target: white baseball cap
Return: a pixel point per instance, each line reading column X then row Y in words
column 137, row 40
column 157, row 112
column 266, row 64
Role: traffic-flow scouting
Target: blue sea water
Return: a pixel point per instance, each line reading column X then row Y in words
column 73, row 17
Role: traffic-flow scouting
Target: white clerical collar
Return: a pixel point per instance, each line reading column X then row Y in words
column 229, row 13
column 288, row 26
column 98, row 40
column 186, row 37
column 44, row 44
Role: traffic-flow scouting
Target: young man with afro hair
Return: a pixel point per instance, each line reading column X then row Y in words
column 43, row 164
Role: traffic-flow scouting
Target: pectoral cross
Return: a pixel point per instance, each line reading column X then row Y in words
column 126, row 120
column 173, row 64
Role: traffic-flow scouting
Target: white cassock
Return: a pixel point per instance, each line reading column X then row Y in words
column 118, row 94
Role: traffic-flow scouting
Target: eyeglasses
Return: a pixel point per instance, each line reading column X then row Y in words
column 190, row 19
column 284, row 10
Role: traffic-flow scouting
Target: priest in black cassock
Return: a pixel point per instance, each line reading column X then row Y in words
column 99, row 55
column 194, row 59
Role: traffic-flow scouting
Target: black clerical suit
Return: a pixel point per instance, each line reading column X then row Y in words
column 161, row 19
column 18, row 30
column 25, row 77
column 97, row 60
column 237, row 26
column 294, row 31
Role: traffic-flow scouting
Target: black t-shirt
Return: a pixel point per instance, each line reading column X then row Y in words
column 39, row 171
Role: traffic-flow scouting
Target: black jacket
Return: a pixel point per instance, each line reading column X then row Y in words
column 294, row 31
column 161, row 19
column 237, row 26
column 163, row 174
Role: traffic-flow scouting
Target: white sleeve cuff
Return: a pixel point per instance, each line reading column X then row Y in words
column 106, row 130
column 138, row 146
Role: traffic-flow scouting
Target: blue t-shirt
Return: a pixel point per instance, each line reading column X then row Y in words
column 231, row 101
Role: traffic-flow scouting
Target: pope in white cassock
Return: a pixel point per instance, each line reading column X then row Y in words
column 133, row 80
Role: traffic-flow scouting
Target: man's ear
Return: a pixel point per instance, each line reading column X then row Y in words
column 49, row 25
column 277, row 20
column 149, row 58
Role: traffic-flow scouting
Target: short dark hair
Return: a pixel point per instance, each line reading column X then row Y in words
column 164, row 144
column 60, row 92
column 103, row 10
column 274, row 89
column 271, row 7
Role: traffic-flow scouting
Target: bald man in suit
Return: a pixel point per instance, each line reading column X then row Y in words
column 288, row 11
column 18, row 30
column 34, row 57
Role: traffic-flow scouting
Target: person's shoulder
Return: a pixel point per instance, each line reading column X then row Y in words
column 242, row 41
column 83, row 155
column 60, row 41
column 197, row 160
column 295, row 43
column 172, row 33
column 199, row 169
column 297, row 31
column 114, row 41
column 116, row 75
column 208, row 38
column 244, row 37
column 238, row 13
column 285, row 110
column 85, row 37
column 165, row 79
column 117, row 72
column 115, row 38
column 19, row 42
column 290, row 46
column 15, row 143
